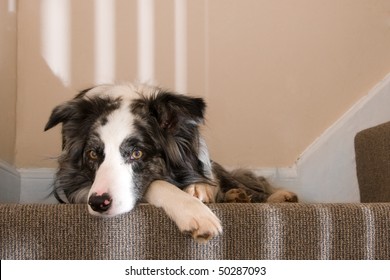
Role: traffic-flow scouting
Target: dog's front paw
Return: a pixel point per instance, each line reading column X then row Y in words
column 189, row 213
column 237, row 195
column 204, row 192
column 282, row 196
column 198, row 220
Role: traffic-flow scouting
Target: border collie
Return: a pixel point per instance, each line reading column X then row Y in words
column 123, row 144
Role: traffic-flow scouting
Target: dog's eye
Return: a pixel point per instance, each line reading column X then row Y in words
column 92, row 155
column 136, row 154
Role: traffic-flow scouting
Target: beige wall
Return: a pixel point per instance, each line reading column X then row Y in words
column 286, row 70
column 275, row 74
column 8, row 49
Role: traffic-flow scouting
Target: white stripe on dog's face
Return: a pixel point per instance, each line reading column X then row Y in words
column 114, row 176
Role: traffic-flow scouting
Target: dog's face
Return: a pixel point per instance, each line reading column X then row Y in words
column 119, row 139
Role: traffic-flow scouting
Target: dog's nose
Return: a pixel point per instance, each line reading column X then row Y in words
column 100, row 203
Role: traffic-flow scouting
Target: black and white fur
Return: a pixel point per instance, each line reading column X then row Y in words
column 123, row 144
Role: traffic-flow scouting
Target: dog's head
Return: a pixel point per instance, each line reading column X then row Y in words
column 117, row 139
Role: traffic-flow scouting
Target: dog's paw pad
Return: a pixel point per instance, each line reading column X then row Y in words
column 208, row 228
column 202, row 238
column 199, row 237
column 282, row 196
column 291, row 198
column 203, row 226
column 237, row 195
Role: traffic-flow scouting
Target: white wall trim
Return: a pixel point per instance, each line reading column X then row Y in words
column 326, row 170
column 36, row 185
column 352, row 119
column 36, row 173
column 6, row 167
column 26, row 185
column 9, row 183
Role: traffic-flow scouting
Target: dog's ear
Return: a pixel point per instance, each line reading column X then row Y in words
column 78, row 116
column 170, row 109
column 64, row 112
column 82, row 110
column 60, row 114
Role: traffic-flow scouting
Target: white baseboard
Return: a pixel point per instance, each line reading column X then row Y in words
column 9, row 183
column 32, row 185
column 36, row 185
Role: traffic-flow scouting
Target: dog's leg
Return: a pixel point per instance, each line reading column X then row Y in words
column 204, row 192
column 189, row 213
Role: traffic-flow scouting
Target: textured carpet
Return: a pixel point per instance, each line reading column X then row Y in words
column 251, row 231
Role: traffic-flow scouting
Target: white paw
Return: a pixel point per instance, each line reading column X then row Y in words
column 197, row 219
column 188, row 212
column 204, row 192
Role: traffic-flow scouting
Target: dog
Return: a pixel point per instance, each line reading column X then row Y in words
column 123, row 144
